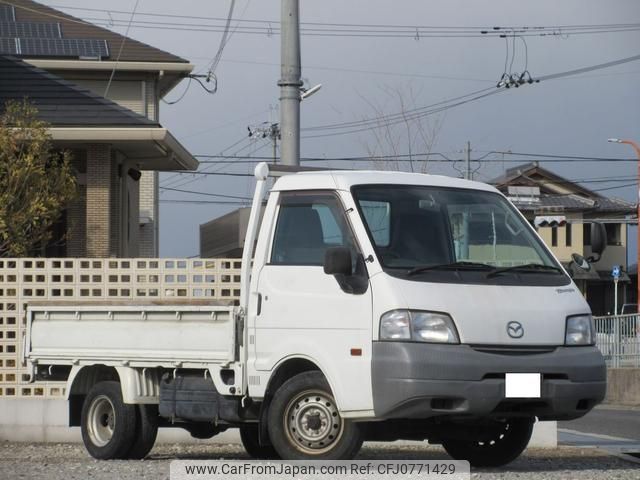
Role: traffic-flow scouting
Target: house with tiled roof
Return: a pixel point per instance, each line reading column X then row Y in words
column 100, row 92
column 541, row 194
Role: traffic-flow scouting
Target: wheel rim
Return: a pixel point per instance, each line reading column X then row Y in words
column 102, row 421
column 312, row 422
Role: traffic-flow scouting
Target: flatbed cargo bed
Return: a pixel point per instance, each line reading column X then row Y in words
column 156, row 333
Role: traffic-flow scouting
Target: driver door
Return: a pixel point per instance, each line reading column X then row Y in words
column 305, row 312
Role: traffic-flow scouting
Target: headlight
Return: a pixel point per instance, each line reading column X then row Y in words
column 579, row 330
column 418, row 326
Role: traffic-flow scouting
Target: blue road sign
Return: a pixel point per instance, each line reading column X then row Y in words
column 615, row 271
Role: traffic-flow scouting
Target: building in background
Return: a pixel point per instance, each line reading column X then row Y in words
column 538, row 192
column 90, row 72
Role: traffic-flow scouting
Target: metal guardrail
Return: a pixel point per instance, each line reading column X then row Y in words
column 618, row 338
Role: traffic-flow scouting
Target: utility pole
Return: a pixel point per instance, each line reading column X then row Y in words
column 270, row 130
column 467, row 172
column 290, row 83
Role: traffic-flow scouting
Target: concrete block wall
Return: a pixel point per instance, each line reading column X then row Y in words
column 39, row 279
column 623, row 386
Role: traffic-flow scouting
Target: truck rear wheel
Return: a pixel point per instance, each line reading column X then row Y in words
column 498, row 448
column 304, row 423
column 108, row 424
column 146, row 431
column 251, row 443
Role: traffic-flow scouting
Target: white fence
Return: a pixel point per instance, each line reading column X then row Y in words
column 618, row 338
column 143, row 279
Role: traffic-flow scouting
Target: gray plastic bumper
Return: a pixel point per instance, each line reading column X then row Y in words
column 414, row 380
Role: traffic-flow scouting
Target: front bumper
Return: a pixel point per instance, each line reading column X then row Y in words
column 413, row 380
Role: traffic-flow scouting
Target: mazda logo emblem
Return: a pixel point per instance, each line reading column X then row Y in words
column 515, row 329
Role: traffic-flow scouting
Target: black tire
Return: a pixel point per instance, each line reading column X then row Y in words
column 146, row 431
column 249, row 437
column 503, row 448
column 108, row 425
column 304, row 399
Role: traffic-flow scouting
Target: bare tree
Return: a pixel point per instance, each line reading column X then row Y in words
column 411, row 135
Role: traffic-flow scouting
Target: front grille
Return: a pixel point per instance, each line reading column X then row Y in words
column 513, row 350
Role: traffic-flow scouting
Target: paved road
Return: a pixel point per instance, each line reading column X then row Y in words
column 613, row 430
column 615, row 422
column 71, row 462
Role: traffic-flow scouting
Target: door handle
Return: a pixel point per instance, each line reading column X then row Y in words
column 259, row 309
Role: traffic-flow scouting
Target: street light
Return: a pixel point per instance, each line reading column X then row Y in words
column 637, row 149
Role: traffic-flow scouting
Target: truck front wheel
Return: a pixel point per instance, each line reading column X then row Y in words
column 304, row 423
column 501, row 446
column 108, row 424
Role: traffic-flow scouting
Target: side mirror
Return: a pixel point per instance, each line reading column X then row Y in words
column 337, row 261
column 581, row 262
column 598, row 240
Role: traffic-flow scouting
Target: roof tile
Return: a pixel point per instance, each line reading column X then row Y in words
column 59, row 102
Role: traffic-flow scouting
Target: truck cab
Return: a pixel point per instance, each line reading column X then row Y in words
column 424, row 302
column 374, row 306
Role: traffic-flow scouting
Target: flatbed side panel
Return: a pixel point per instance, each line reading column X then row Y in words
column 128, row 333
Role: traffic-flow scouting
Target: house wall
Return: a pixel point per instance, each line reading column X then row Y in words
column 137, row 92
column 562, row 251
column 148, row 233
column 103, row 220
column 98, row 222
column 77, row 210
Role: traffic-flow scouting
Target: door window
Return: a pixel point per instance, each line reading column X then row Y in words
column 309, row 224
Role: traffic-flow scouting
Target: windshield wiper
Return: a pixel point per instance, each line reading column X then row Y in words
column 528, row 267
column 452, row 266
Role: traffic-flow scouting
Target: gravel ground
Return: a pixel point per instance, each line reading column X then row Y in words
column 70, row 462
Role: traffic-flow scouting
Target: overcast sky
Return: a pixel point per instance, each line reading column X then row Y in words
column 569, row 116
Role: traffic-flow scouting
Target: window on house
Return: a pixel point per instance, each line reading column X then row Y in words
column 614, row 233
column 568, row 234
column 554, row 236
column 586, row 233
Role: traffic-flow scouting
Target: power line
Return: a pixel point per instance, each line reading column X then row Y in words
column 341, row 33
column 371, row 25
column 204, row 193
column 223, row 40
column 124, row 39
column 266, row 27
column 202, row 202
column 553, row 158
column 168, row 181
column 346, row 128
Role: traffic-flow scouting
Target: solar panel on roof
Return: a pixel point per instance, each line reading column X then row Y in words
column 8, row 46
column 30, row 29
column 63, row 47
column 7, row 13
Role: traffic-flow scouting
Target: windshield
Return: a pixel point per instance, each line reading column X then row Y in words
column 417, row 226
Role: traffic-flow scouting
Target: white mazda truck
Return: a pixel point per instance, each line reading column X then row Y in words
column 374, row 306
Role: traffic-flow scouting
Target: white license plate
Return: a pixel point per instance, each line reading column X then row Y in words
column 522, row 385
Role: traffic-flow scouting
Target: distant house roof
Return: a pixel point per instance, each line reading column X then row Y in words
column 59, row 102
column 556, row 193
column 74, row 28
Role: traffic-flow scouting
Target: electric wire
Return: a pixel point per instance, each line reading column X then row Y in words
column 124, row 39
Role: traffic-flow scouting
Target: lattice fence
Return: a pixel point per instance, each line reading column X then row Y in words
column 37, row 279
